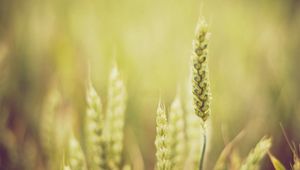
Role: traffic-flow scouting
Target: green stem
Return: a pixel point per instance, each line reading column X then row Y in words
column 203, row 150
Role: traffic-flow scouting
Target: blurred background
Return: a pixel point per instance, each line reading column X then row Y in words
column 254, row 69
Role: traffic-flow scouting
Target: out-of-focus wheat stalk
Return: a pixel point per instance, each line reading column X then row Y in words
column 176, row 134
column 114, row 123
column 256, row 155
column 161, row 140
column 93, row 130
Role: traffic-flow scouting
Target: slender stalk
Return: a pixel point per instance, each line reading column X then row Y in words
column 203, row 150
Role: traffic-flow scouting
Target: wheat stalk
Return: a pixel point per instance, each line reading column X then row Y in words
column 161, row 140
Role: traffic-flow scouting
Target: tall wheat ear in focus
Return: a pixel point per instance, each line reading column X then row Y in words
column 200, row 80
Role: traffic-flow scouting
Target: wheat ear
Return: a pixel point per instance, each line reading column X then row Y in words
column 93, row 129
column 255, row 156
column 161, row 140
column 114, row 122
column 201, row 88
column 76, row 156
column 176, row 134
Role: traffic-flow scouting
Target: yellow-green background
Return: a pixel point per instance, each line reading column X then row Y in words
column 254, row 64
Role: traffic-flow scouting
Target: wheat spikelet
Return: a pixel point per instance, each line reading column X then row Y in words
column 161, row 141
column 255, row 156
column 114, row 122
column 93, row 129
column 201, row 89
column 176, row 135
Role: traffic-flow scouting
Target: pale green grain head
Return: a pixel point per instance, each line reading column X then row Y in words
column 93, row 129
column 176, row 134
column 114, row 123
column 161, row 140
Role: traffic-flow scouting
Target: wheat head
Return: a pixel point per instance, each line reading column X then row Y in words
column 256, row 155
column 114, row 122
column 94, row 122
column 176, row 134
column 161, row 140
column 201, row 88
